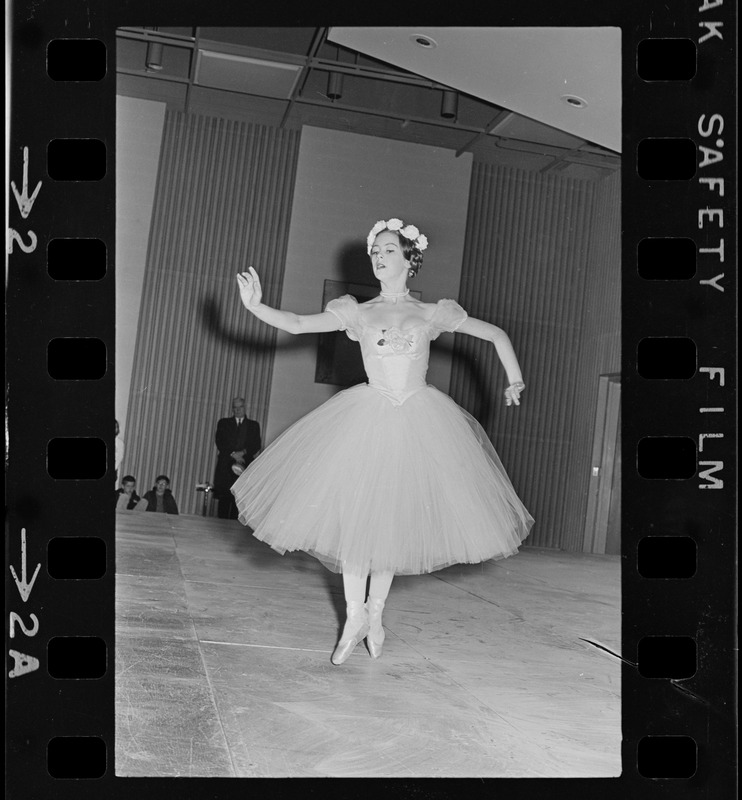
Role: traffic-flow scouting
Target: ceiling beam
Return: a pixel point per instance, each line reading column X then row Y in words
column 567, row 153
column 362, row 71
column 142, row 73
column 502, row 116
column 319, row 37
column 385, row 114
column 311, row 61
column 144, row 35
column 192, row 69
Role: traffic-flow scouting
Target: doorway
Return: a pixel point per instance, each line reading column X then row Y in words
column 603, row 519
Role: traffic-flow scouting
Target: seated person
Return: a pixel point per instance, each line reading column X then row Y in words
column 159, row 497
column 126, row 496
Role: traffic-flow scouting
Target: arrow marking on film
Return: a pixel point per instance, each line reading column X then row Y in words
column 24, row 201
column 23, row 587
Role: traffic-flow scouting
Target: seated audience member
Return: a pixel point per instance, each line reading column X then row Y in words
column 126, row 496
column 160, row 498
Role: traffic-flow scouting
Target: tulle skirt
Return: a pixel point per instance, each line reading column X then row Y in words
column 366, row 485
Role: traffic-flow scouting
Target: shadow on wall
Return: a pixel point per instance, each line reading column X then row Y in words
column 354, row 265
column 258, row 340
column 486, row 402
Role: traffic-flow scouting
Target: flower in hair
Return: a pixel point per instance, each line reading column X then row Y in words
column 397, row 226
column 378, row 228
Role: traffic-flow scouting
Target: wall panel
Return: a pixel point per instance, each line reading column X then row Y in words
column 530, row 267
column 139, row 126
column 600, row 347
column 222, row 202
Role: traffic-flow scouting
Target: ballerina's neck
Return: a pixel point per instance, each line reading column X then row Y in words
column 394, row 296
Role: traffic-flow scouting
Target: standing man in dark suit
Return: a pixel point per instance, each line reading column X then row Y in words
column 238, row 442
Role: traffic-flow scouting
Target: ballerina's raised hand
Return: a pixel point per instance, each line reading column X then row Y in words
column 512, row 393
column 250, row 291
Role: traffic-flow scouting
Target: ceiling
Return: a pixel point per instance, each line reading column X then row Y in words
column 532, row 71
column 503, row 89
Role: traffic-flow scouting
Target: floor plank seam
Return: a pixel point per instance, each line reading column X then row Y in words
column 273, row 588
column 265, row 646
column 212, row 692
column 517, row 617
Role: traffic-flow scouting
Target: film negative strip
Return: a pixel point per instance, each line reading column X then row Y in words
column 679, row 546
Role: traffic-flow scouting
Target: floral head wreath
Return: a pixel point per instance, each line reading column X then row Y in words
column 397, row 226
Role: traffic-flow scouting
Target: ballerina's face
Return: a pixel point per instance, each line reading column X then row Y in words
column 387, row 259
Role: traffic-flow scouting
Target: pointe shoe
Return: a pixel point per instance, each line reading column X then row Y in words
column 356, row 628
column 376, row 635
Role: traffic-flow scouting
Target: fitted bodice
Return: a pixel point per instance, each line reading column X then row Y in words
column 396, row 359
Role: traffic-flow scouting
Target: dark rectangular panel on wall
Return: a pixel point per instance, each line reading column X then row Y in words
column 530, row 247
column 222, row 203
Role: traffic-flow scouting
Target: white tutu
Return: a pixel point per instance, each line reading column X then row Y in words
column 365, row 485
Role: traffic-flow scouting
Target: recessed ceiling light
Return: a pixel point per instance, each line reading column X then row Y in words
column 573, row 101
column 422, row 40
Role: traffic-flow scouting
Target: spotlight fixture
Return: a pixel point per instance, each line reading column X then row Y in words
column 153, row 61
column 573, row 101
column 449, row 104
column 335, row 86
column 424, row 41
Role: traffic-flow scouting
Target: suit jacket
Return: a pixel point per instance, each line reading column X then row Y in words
column 171, row 507
column 135, row 498
column 228, row 439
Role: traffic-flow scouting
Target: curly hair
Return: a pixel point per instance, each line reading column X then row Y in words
column 410, row 252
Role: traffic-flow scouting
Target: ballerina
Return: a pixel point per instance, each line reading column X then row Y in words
column 391, row 476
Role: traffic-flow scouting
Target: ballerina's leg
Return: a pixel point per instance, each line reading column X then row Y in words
column 356, row 623
column 354, row 586
column 378, row 592
column 380, row 584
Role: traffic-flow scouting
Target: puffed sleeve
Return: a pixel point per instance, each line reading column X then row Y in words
column 345, row 308
column 447, row 317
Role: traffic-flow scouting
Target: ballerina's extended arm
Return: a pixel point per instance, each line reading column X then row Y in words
column 251, row 295
column 498, row 337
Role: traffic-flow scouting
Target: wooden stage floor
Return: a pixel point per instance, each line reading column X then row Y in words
column 223, row 663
